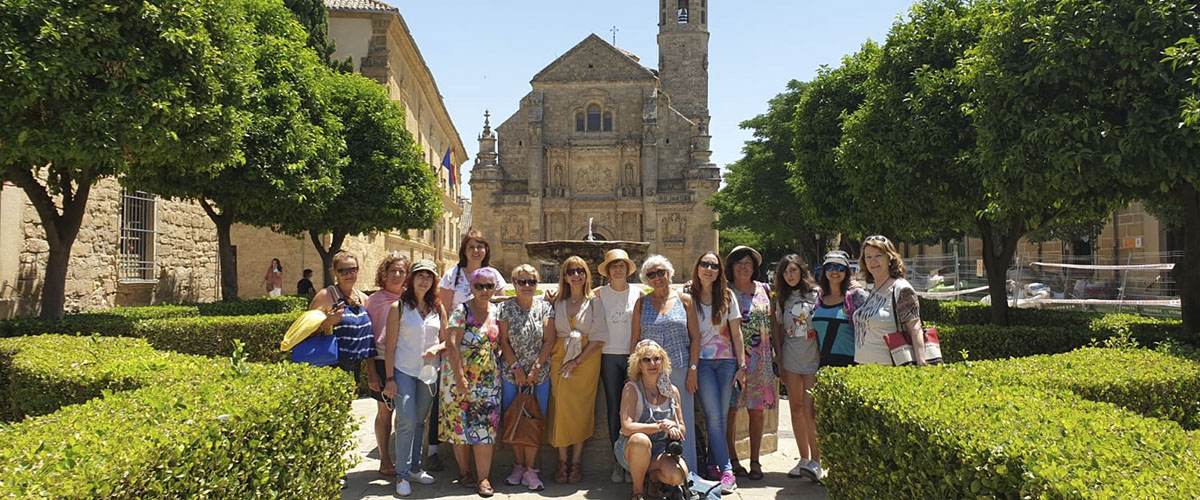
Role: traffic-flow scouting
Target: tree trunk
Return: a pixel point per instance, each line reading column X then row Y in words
column 1187, row 271
column 61, row 228
column 229, row 272
column 335, row 246
column 998, row 250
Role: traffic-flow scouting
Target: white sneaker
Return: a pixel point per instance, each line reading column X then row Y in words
column 422, row 477
column 813, row 471
column 799, row 469
column 618, row 473
column 403, row 488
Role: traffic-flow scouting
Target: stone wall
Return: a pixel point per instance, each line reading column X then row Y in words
column 185, row 264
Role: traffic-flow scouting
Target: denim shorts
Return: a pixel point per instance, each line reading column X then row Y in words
column 657, row 447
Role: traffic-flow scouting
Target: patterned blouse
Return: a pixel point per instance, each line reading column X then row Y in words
column 524, row 335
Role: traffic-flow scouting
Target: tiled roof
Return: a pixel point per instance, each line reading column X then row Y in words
column 359, row 6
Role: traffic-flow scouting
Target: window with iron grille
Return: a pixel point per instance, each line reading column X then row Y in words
column 139, row 224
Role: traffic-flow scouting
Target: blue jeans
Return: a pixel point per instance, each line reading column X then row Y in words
column 413, row 399
column 688, row 406
column 715, row 388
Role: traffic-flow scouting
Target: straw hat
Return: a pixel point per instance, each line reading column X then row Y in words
column 616, row 255
column 753, row 253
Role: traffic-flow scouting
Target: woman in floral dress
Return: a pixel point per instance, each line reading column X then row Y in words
column 759, row 393
column 471, row 382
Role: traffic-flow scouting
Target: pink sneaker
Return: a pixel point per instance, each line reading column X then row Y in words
column 728, row 482
column 532, row 480
column 515, row 478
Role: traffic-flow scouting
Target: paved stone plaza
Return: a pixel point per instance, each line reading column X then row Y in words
column 364, row 482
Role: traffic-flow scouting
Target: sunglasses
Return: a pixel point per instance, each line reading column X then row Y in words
column 526, row 282
column 710, row 265
column 347, row 271
column 484, row 286
column 879, row 237
column 574, row 271
column 653, row 275
column 841, row 268
column 651, row 359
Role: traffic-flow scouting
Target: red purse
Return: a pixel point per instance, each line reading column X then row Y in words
column 900, row 343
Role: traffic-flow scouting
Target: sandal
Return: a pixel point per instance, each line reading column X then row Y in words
column 739, row 471
column 576, row 473
column 485, row 489
column 387, row 472
column 637, row 496
column 560, row 477
column 756, row 473
column 467, row 480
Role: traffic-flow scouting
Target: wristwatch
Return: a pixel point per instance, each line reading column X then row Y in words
column 389, row 379
column 692, row 367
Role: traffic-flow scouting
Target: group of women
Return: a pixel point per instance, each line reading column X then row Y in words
column 724, row 339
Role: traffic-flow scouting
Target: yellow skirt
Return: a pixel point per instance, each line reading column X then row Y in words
column 572, row 400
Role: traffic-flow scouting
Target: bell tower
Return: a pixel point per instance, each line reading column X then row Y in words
column 683, row 55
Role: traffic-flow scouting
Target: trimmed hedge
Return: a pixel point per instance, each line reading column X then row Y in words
column 1102, row 325
column 1150, row 383
column 228, row 430
column 955, row 432
column 40, row 374
column 214, row 335
column 998, row 342
column 261, row 305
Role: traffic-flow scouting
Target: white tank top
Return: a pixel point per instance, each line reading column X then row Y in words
column 619, row 309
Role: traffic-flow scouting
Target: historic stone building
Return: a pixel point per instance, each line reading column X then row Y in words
column 600, row 136
column 376, row 38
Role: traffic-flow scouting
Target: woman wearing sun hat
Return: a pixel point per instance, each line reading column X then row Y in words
column 618, row 299
column 758, row 394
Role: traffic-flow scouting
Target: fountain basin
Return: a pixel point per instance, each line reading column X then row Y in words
column 555, row 252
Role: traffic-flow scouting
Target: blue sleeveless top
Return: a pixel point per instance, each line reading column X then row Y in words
column 669, row 330
column 354, row 336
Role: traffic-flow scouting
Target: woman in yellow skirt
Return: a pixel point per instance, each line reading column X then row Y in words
column 581, row 331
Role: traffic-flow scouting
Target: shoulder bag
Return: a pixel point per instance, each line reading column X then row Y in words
column 900, row 343
column 523, row 422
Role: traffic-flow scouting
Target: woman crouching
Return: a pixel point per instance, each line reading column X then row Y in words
column 650, row 419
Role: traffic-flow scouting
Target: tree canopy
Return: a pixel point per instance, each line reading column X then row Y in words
column 90, row 90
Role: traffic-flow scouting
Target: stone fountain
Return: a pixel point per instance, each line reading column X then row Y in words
column 589, row 248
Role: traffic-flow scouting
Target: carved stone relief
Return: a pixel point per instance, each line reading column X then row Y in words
column 673, row 227
column 513, row 228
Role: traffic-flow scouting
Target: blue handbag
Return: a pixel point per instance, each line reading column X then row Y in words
column 316, row 350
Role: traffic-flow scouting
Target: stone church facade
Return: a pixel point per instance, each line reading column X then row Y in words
column 600, row 136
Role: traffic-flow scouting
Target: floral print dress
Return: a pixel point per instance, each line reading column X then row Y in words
column 759, row 392
column 472, row 416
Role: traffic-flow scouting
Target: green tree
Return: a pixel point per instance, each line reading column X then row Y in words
column 819, row 179
column 314, row 17
column 1077, row 91
column 757, row 198
column 89, row 90
column 920, row 165
column 385, row 185
column 292, row 152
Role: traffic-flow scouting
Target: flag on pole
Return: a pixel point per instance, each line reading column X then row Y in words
column 449, row 164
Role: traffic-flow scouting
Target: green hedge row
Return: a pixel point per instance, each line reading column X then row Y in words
column 120, row 320
column 1150, row 383
column 225, row 430
column 43, row 373
column 200, row 335
column 980, row 430
column 1105, row 324
column 994, row 342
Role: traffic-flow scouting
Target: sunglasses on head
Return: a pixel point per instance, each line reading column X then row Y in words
column 347, row 271
column 653, row 275
column 575, row 271
column 710, row 265
column 484, row 286
column 651, row 359
column 525, row 282
column 841, row 268
column 877, row 238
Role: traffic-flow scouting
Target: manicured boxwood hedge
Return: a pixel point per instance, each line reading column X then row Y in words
column 261, row 305
column 1150, row 383
column 230, row 430
column 214, row 335
column 40, row 374
column 1102, row 325
column 976, row 430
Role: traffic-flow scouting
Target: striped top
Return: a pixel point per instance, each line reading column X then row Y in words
column 354, row 335
column 670, row 330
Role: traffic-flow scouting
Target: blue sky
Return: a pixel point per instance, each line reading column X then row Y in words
column 483, row 54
